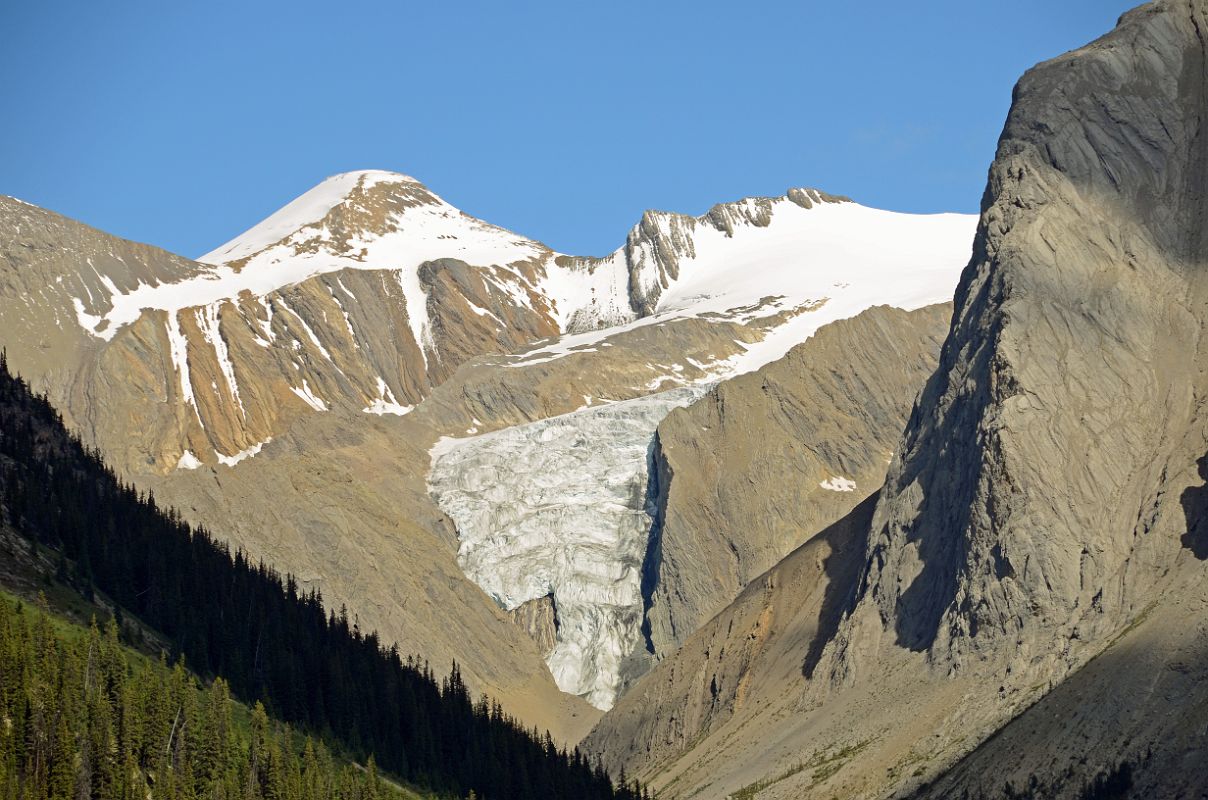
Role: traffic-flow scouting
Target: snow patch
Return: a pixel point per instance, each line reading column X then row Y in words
column 386, row 402
column 482, row 312
column 208, row 322
column 837, row 483
column 231, row 461
column 309, row 397
column 178, row 349
column 380, row 407
column 88, row 322
column 188, row 461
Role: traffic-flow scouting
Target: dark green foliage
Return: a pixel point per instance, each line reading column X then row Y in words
column 82, row 717
column 1115, row 784
column 245, row 622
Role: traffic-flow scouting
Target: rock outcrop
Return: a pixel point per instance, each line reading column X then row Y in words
column 657, row 244
column 737, row 672
column 1133, row 717
column 766, row 460
column 539, row 619
column 1032, row 510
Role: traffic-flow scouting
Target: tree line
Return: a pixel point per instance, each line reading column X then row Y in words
column 252, row 626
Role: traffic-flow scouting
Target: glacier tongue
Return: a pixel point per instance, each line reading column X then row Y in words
column 558, row 507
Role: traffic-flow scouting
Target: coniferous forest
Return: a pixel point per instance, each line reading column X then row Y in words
column 86, row 717
column 247, row 624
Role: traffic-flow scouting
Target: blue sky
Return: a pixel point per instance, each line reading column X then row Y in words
column 183, row 123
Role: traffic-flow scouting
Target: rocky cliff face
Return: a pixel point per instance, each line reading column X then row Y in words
column 711, row 718
column 1133, row 715
column 1033, row 497
column 656, row 245
column 1038, row 539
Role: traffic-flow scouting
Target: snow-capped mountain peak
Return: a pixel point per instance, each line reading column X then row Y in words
column 371, row 215
column 308, row 209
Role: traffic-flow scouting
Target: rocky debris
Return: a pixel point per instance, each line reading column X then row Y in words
column 737, row 663
column 1133, row 715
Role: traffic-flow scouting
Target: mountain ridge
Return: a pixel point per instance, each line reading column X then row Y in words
column 300, row 421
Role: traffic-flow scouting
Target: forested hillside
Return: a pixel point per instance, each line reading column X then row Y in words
column 251, row 626
column 83, row 716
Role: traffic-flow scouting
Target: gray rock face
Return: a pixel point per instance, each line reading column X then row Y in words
column 539, row 619
column 1136, row 710
column 1028, row 512
column 765, row 460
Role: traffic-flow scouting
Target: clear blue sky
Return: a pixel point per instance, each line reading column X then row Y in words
column 182, row 123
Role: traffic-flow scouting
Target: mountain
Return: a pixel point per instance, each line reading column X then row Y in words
column 1023, row 600
column 292, row 388
column 555, row 512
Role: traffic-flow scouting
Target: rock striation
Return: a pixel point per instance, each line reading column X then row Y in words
column 767, row 459
column 1027, row 516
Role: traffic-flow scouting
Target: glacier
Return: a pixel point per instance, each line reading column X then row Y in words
column 558, row 506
